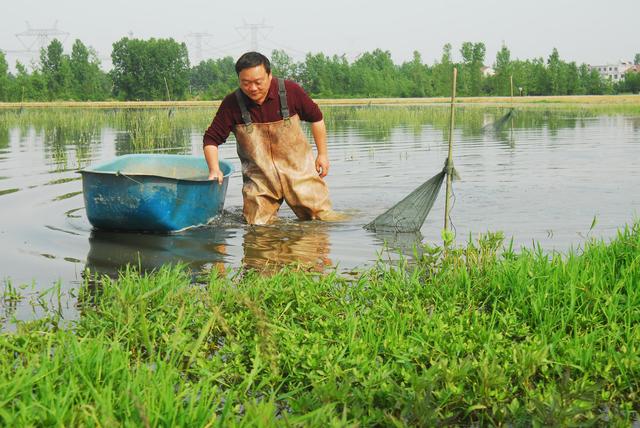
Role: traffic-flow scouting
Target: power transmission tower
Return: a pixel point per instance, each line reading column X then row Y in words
column 254, row 28
column 199, row 36
column 39, row 37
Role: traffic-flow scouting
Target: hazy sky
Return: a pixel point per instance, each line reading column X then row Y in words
column 588, row 31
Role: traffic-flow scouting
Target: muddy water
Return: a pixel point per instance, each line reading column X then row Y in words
column 543, row 178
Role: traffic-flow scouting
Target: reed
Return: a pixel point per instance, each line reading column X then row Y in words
column 162, row 129
column 481, row 335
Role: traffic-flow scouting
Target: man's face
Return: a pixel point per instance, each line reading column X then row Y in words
column 255, row 82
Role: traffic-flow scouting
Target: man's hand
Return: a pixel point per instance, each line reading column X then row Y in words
column 211, row 155
column 216, row 175
column 322, row 165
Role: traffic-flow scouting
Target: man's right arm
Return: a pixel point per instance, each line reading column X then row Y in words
column 215, row 135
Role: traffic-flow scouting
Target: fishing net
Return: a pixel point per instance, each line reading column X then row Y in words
column 499, row 124
column 409, row 214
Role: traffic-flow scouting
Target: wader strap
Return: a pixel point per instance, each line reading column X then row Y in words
column 246, row 117
column 284, row 107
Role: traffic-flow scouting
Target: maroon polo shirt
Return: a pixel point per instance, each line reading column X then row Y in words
column 229, row 114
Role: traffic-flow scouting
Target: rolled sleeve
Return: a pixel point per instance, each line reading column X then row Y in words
column 221, row 126
column 306, row 108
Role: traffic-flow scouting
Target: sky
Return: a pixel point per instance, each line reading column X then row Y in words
column 587, row 31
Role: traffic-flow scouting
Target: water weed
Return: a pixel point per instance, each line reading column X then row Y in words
column 479, row 334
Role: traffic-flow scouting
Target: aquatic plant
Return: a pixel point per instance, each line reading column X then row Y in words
column 167, row 127
column 477, row 335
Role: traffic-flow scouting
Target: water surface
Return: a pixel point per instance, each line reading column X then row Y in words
column 543, row 178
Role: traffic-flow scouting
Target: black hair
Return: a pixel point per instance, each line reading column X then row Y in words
column 252, row 59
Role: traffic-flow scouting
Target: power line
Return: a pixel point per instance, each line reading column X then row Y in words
column 286, row 48
column 40, row 37
column 199, row 37
column 254, row 29
column 227, row 49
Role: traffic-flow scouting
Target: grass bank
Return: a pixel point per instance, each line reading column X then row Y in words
column 482, row 335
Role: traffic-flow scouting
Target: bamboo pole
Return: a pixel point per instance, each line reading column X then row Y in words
column 166, row 86
column 449, row 167
column 511, row 80
column 512, row 111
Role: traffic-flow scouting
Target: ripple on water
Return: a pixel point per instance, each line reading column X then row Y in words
column 544, row 180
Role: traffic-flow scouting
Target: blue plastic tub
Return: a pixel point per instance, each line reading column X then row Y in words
column 151, row 192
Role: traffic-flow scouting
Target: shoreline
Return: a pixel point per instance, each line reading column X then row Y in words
column 564, row 100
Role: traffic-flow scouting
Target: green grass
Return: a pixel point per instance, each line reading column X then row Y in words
column 477, row 335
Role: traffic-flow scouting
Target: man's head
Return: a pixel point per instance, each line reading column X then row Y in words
column 254, row 75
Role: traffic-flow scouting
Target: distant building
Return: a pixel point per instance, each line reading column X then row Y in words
column 487, row 71
column 613, row 72
column 633, row 69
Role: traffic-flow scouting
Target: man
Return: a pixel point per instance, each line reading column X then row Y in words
column 277, row 161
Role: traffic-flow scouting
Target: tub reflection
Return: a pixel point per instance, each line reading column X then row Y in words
column 200, row 249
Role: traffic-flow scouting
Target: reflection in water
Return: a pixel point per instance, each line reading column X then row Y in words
column 400, row 244
column 4, row 136
column 305, row 244
column 201, row 249
column 547, row 169
column 62, row 139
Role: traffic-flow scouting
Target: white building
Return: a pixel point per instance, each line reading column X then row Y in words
column 614, row 72
column 487, row 71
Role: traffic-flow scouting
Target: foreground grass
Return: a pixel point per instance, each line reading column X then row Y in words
column 476, row 336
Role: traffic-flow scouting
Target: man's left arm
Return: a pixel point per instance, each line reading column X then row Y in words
column 319, row 132
column 310, row 112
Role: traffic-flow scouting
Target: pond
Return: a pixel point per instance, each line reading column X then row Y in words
column 553, row 177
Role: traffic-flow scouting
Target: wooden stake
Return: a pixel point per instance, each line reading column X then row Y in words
column 511, row 79
column 511, row 142
column 167, row 88
column 449, row 167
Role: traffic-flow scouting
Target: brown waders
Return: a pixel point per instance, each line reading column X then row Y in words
column 278, row 164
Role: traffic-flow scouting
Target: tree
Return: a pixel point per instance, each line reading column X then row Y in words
column 214, row 78
column 315, row 75
column 89, row 81
column 323, row 76
column 28, row 87
column 636, row 60
column 471, row 71
column 574, row 86
column 632, row 82
column 4, row 78
column 375, row 75
column 442, row 73
column 535, row 76
column 504, row 71
column 557, row 77
column 591, row 80
column 55, row 69
column 417, row 78
column 282, row 65
column 153, row 69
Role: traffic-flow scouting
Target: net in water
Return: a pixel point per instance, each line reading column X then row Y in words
column 499, row 124
column 409, row 214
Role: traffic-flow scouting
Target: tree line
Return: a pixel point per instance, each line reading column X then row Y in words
column 159, row 69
